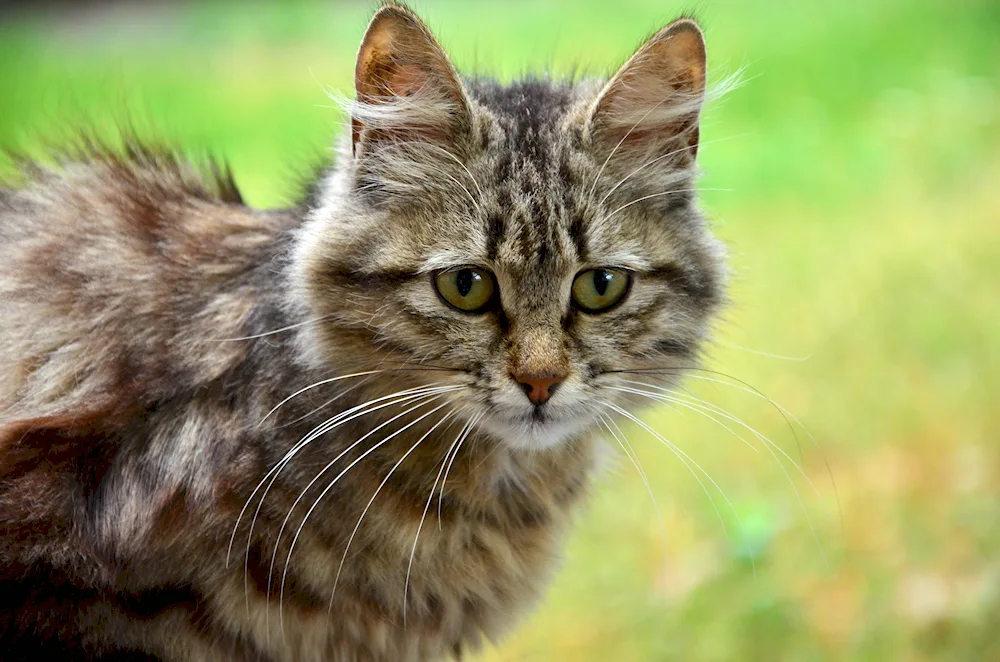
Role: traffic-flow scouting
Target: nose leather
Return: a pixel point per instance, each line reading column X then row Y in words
column 539, row 388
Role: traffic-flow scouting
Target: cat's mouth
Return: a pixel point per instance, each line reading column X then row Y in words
column 537, row 428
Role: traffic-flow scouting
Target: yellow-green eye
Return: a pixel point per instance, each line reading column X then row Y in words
column 597, row 290
column 468, row 289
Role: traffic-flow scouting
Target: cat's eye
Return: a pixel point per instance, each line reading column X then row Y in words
column 468, row 289
column 598, row 290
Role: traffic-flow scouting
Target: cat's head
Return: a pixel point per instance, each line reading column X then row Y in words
column 540, row 239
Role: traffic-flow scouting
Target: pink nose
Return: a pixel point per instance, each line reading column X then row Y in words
column 539, row 388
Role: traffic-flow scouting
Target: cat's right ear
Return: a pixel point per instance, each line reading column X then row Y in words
column 650, row 108
column 407, row 89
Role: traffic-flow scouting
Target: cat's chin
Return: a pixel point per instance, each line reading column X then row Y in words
column 531, row 433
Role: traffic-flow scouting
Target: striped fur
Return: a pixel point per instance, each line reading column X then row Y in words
column 151, row 324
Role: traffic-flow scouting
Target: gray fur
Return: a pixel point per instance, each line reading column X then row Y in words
column 154, row 483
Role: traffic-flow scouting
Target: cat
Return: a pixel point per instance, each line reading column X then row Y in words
column 359, row 428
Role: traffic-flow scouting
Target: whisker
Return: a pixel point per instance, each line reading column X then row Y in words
column 422, row 398
column 661, row 193
column 372, row 500
column 768, row 355
column 771, row 446
column 740, row 385
column 458, row 161
column 420, row 365
column 700, row 406
column 312, row 386
column 341, row 418
column 472, row 198
column 785, row 414
column 686, row 459
column 423, row 516
column 656, row 160
column 275, row 331
column 326, row 404
column 664, row 398
column 746, row 387
column 628, row 133
column 463, row 436
column 630, row 453
column 692, row 401
column 329, row 487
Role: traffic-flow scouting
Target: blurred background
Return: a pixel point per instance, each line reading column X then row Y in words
column 855, row 176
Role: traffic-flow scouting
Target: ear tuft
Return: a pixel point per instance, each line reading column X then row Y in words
column 404, row 82
column 652, row 104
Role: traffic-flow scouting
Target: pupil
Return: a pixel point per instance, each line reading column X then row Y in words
column 464, row 281
column 601, row 280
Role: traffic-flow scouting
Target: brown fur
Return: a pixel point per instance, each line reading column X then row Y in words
column 155, row 499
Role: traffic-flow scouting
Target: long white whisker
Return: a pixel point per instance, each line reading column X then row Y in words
column 772, row 447
column 689, row 372
column 401, row 397
column 326, row 404
column 743, row 386
column 686, row 459
column 372, row 500
column 276, row 331
column 420, row 526
column 329, row 487
column 769, row 355
column 467, row 192
column 698, row 405
column 312, row 386
column 665, row 398
column 421, row 394
column 786, row 414
column 272, row 475
column 768, row 444
column 463, row 435
column 634, row 459
column 459, row 162
column 425, row 395
column 628, row 133
column 653, row 161
column 661, row 193
column 341, row 418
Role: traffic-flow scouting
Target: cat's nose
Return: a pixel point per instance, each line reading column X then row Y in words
column 539, row 388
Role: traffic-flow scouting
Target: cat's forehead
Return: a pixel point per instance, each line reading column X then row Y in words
column 526, row 108
column 523, row 137
column 533, row 213
column 529, row 216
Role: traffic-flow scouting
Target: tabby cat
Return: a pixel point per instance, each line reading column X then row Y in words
column 356, row 429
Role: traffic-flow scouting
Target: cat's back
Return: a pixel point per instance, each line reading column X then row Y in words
column 123, row 271
column 119, row 278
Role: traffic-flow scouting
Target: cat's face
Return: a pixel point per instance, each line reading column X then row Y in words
column 537, row 240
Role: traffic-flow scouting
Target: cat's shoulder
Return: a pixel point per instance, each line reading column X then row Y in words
column 119, row 266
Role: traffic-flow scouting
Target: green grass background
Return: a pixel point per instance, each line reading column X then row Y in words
column 860, row 172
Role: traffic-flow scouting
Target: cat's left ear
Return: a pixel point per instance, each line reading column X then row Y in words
column 650, row 108
column 406, row 87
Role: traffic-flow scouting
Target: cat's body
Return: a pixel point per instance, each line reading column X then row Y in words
column 135, row 445
column 151, row 494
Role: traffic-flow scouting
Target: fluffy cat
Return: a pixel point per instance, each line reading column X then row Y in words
column 356, row 429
